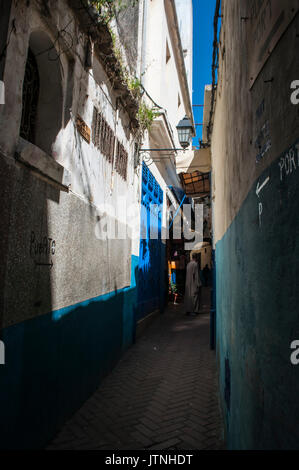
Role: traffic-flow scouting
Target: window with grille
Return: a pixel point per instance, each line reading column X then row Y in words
column 42, row 99
column 102, row 135
column 30, row 99
column 103, row 139
column 121, row 161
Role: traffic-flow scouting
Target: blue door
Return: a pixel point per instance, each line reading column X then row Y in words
column 151, row 253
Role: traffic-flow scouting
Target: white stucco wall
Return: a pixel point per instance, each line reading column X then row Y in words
column 185, row 20
column 84, row 266
column 161, row 78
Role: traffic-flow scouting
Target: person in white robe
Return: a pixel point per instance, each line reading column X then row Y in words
column 192, row 288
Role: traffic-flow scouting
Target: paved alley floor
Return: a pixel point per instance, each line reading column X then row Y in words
column 161, row 395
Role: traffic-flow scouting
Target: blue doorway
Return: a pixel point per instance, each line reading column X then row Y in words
column 152, row 251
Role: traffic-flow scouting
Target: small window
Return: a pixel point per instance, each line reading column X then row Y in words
column 167, row 53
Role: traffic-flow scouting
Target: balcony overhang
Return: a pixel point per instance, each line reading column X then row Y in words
column 194, row 160
column 160, row 136
column 194, row 169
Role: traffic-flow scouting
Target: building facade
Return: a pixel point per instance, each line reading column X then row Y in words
column 164, row 76
column 255, row 188
column 185, row 20
column 71, row 256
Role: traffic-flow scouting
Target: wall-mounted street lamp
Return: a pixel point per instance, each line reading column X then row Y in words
column 185, row 132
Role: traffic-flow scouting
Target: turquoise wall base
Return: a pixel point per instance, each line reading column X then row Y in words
column 257, row 266
column 56, row 361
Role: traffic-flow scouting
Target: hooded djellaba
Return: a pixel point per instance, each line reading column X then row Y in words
column 192, row 289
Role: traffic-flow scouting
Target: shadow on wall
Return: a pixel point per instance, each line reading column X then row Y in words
column 54, row 362
column 26, row 287
column 257, row 316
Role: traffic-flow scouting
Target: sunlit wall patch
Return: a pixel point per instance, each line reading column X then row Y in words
column 2, row 353
column 2, row 92
column 227, row 384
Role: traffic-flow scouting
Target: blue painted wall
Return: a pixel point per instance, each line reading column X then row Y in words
column 257, row 314
column 151, row 268
column 56, row 361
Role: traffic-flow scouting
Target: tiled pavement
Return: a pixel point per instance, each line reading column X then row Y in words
column 162, row 394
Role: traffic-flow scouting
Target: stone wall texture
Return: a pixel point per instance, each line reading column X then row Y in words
column 255, row 158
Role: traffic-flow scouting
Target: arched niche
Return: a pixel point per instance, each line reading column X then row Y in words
column 42, row 114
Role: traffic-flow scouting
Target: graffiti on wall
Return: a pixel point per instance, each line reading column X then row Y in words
column 289, row 162
column 41, row 250
column 263, row 141
column 287, row 165
column 259, row 188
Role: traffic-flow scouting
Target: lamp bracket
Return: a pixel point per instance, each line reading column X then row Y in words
column 162, row 150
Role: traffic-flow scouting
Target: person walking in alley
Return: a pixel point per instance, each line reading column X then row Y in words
column 192, row 288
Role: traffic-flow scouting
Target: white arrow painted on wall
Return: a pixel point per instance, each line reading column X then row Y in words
column 260, row 187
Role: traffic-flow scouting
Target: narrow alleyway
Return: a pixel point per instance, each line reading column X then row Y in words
column 162, row 394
